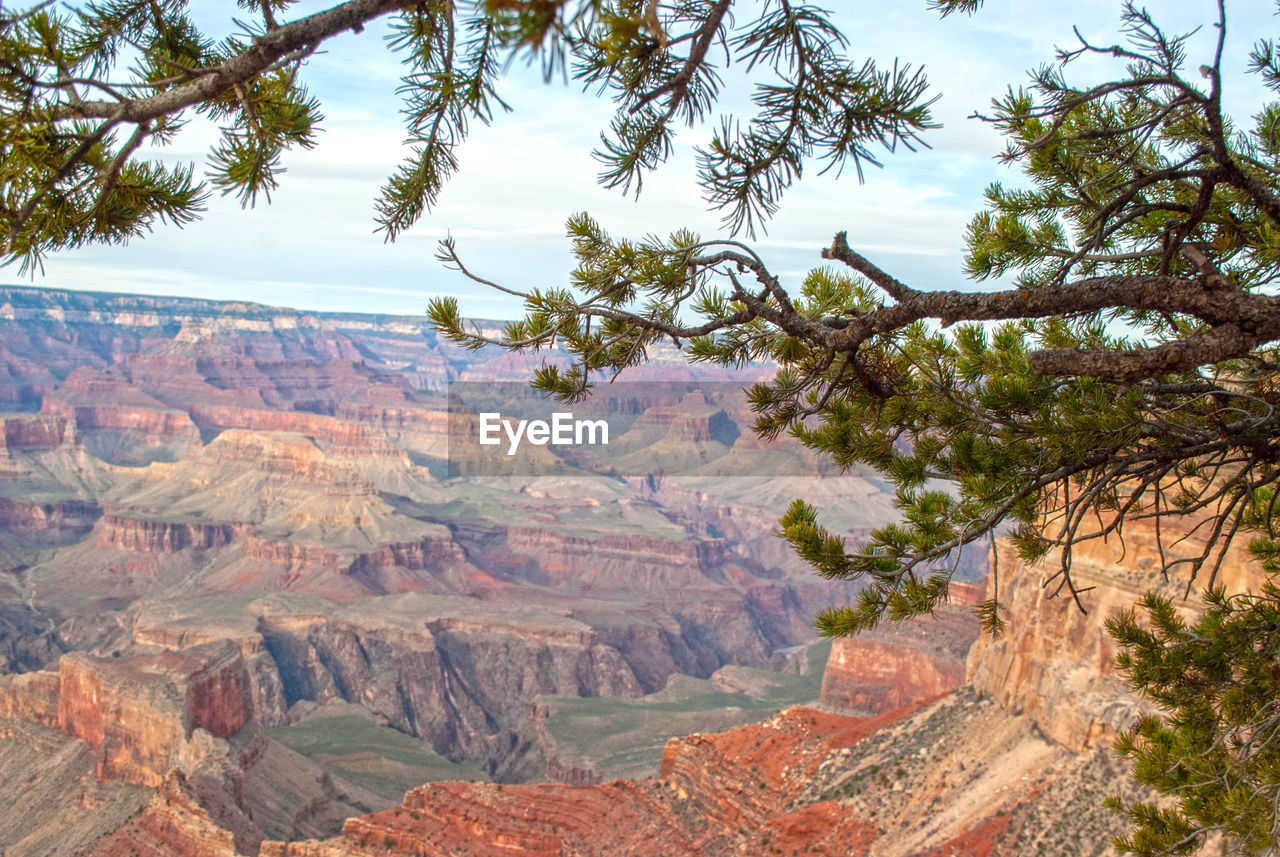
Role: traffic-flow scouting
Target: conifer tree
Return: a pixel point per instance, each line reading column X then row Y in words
column 1215, row 750
column 83, row 91
column 1129, row 372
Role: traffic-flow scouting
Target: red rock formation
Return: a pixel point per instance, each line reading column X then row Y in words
column 290, row 556
column 161, row 424
column 718, row 795
column 416, row 556
column 74, row 515
column 878, row 676
column 1055, row 663
column 340, row 437
column 174, row 823
column 136, row 714
column 286, row 457
column 691, row 421
column 605, row 560
column 96, row 399
column 463, row 683
column 898, row 664
column 33, row 433
column 30, row 696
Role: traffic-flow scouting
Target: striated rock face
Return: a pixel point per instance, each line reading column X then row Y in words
column 896, row 665
column 125, row 533
column 1055, row 664
column 32, row 433
column 68, row 516
column 137, row 714
column 964, row 777
column 340, row 437
column 726, row 607
column 173, row 823
column 159, row 424
column 30, row 696
column 724, row 794
column 961, row 777
column 461, row 684
column 602, row 561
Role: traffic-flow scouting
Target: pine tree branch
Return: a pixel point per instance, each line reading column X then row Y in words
column 267, row 49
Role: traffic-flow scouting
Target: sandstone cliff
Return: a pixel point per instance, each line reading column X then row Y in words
column 139, row 714
column 1056, row 664
column 897, row 665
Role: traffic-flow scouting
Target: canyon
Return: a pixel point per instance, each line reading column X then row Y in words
column 930, row 740
column 248, row 606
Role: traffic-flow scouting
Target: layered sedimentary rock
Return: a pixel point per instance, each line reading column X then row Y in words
column 146, row 420
column 1056, row 663
column 28, row 433
column 461, row 683
column 70, row 516
column 456, row 672
column 173, row 823
column 895, row 665
column 340, row 437
column 124, row 533
column 30, row 696
column 718, row 795
column 136, row 715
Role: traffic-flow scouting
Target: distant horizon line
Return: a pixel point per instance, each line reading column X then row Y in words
column 140, row 296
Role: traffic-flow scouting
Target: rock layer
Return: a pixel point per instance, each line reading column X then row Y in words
column 719, row 795
column 1056, row 664
column 896, row 665
column 138, row 714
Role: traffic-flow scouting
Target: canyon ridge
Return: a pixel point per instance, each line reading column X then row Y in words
column 245, row 608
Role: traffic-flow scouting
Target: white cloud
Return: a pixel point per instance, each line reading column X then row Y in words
column 520, row 178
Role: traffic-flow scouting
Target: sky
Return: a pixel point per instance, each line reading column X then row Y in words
column 314, row 247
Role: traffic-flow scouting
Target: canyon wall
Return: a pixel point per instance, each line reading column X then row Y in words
column 1056, row 663
column 899, row 664
column 137, row 715
column 718, row 795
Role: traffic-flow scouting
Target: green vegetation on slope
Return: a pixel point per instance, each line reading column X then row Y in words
column 616, row 737
column 377, row 757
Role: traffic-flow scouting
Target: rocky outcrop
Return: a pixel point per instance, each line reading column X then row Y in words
column 555, row 557
column 461, row 684
column 173, row 823
column 1055, row 663
column 879, row 676
column 68, row 516
column 34, row 433
column 138, row 714
column 125, row 533
column 724, row 794
column 290, row 455
column 423, row 555
column 290, row 556
column 159, row 424
column 339, row 437
column 898, row 664
column 30, row 696
column 961, row 777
